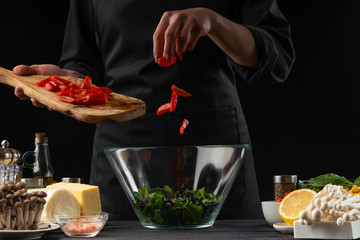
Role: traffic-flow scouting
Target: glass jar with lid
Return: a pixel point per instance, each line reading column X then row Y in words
column 284, row 184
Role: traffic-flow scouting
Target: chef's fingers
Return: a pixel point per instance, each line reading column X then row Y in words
column 37, row 104
column 20, row 94
column 158, row 37
column 166, row 33
column 181, row 41
column 174, row 27
column 196, row 25
column 188, row 36
column 24, row 70
column 192, row 41
column 180, row 30
column 43, row 69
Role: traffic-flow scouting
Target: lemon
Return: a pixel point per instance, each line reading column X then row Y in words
column 294, row 203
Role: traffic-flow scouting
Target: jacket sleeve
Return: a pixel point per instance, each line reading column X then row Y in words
column 80, row 50
column 272, row 37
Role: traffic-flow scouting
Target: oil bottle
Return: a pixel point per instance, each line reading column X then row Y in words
column 42, row 165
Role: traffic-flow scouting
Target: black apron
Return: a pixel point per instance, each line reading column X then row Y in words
column 111, row 40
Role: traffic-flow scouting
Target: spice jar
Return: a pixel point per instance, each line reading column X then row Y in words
column 284, row 184
column 72, row 180
column 32, row 183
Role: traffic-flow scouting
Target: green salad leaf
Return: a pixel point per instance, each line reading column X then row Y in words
column 357, row 182
column 142, row 193
column 330, row 178
column 162, row 206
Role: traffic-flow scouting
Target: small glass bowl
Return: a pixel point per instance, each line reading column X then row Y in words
column 88, row 224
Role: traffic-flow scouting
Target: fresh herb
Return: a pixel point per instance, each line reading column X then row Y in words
column 357, row 181
column 320, row 181
column 162, row 206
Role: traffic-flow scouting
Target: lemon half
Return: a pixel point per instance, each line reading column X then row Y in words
column 294, row 203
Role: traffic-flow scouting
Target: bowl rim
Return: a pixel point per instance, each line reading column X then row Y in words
column 270, row 202
column 100, row 214
column 244, row 145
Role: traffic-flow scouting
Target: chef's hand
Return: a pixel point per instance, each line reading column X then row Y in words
column 189, row 25
column 44, row 69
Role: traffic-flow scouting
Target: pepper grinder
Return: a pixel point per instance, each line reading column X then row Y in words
column 8, row 155
column 9, row 160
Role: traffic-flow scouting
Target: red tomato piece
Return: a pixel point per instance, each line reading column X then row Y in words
column 73, row 86
column 163, row 109
column 85, row 93
column 59, row 83
column 66, row 99
column 63, row 87
column 163, row 62
column 96, row 89
column 106, row 89
column 287, row 193
column 103, row 90
column 173, row 103
column 93, row 99
column 65, row 92
column 41, row 83
column 180, row 91
column 86, row 83
column 50, row 86
column 184, row 124
column 64, row 81
column 79, row 100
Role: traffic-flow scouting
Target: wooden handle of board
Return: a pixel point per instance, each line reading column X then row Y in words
column 119, row 108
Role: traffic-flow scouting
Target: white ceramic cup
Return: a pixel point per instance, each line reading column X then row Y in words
column 271, row 212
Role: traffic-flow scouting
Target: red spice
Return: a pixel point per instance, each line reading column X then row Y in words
column 83, row 226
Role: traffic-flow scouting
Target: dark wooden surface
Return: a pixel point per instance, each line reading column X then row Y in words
column 222, row 229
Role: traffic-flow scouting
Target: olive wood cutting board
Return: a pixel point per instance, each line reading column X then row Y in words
column 119, row 108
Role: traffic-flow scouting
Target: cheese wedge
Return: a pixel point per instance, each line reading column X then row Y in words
column 58, row 202
column 87, row 195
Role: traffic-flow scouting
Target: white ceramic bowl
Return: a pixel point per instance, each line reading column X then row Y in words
column 271, row 212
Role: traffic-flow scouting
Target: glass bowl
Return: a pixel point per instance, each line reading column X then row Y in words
column 177, row 187
column 88, row 224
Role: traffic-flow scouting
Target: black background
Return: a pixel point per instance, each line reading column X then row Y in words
column 307, row 126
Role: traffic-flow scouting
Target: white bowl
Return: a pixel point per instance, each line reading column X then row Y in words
column 271, row 212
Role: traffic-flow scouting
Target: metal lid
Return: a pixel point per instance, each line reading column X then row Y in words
column 33, row 181
column 285, row 178
column 8, row 155
column 72, row 180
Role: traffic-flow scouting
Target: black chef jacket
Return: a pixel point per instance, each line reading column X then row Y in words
column 111, row 40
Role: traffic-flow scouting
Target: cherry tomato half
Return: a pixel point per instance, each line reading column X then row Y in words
column 163, row 62
column 180, row 92
column 184, row 124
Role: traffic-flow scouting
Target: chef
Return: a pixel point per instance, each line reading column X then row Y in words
column 118, row 43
